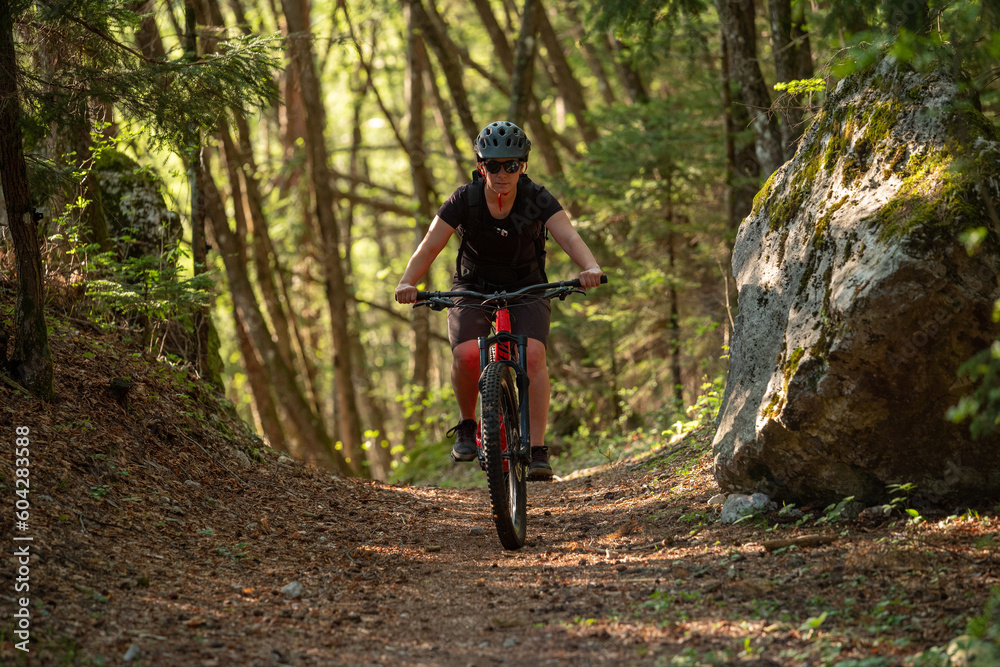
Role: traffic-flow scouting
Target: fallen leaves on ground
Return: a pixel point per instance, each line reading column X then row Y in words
column 163, row 530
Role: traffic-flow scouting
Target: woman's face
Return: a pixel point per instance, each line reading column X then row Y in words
column 501, row 182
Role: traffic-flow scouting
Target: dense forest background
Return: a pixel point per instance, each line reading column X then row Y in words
column 302, row 148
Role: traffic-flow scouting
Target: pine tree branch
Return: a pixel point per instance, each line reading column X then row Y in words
column 86, row 26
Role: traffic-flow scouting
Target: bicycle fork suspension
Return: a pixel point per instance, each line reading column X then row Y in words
column 498, row 347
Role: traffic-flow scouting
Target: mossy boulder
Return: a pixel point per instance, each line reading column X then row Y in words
column 859, row 300
column 133, row 206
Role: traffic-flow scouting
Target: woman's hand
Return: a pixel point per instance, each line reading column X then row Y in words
column 591, row 277
column 406, row 293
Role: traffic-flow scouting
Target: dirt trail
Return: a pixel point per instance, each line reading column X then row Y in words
column 623, row 567
column 165, row 532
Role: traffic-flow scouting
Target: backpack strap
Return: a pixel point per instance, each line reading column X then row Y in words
column 474, row 197
column 532, row 228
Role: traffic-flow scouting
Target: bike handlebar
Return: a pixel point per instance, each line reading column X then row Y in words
column 440, row 298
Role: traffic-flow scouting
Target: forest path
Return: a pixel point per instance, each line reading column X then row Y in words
column 190, row 559
column 417, row 576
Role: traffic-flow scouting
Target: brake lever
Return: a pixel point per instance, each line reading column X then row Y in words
column 563, row 292
column 436, row 303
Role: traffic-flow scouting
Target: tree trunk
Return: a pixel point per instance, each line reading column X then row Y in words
column 522, row 75
column 569, row 85
column 803, row 49
column 591, row 55
column 416, row 65
column 307, row 424
column 147, row 37
column 420, row 22
column 301, row 57
column 737, row 19
column 442, row 115
column 69, row 141
column 786, row 64
column 31, row 359
column 630, row 77
column 501, row 48
column 675, row 318
column 742, row 169
column 265, row 409
column 292, row 114
column 539, row 131
column 207, row 358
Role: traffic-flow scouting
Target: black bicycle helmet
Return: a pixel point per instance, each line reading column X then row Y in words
column 502, row 139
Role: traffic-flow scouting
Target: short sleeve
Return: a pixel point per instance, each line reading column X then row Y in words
column 456, row 208
column 547, row 203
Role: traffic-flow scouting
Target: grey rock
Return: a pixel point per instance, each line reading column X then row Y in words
column 717, row 499
column 132, row 203
column 133, row 653
column 966, row 651
column 292, row 590
column 859, row 301
column 760, row 502
column 243, row 459
column 739, row 505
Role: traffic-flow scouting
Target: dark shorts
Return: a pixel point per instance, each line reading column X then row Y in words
column 530, row 318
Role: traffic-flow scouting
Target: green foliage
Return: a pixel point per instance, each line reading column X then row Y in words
column 644, row 185
column 899, row 496
column 836, row 512
column 800, row 86
column 150, row 286
column 981, row 408
column 429, row 460
column 171, row 98
column 964, row 35
column 237, row 552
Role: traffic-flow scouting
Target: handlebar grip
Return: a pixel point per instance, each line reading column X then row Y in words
column 604, row 279
column 423, row 296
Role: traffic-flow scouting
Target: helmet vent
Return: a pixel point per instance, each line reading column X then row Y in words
column 502, row 139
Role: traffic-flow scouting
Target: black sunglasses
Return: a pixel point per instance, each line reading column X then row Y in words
column 510, row 167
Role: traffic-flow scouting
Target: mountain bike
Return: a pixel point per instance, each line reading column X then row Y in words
column 503, row 437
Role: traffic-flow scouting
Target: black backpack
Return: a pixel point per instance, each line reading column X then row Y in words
column 526, row 221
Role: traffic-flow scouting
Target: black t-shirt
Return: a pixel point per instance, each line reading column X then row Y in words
column 507, row 241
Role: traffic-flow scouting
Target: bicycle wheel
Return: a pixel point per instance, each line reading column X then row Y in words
column 506, row 475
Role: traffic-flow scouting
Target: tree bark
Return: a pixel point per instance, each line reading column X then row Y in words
column 569, row 85
column 307, row 424
column 147, row 37
column 630, row 77
column 803, row 49
column 31, row 360
column 419, row 21
column 539, row 131
column 737, row 19
column 207, row 358
column 442, row 114
column 786, row 64
column 497, row 36
column 301, row 57
column 591, row 55
column 265, row 409
column 522, row 75
column 379, row 458
column 742, row 169
column 675, row 317
column 420, row 320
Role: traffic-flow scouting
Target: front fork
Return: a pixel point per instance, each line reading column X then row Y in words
column 502, row 340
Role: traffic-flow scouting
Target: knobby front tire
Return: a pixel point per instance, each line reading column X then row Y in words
column 501, row 433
